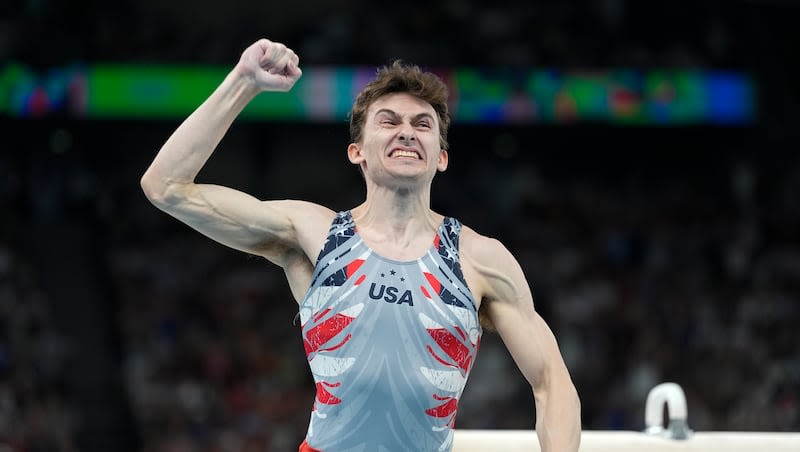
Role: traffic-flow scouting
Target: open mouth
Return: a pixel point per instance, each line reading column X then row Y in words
column 402, row 153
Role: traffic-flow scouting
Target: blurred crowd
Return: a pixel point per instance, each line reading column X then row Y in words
column 682, row 269
column 580, row 33
column 35, row 411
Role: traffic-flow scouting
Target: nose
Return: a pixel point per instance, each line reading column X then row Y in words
column 406, row 136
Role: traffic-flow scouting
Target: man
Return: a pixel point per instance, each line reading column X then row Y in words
column 390, row 291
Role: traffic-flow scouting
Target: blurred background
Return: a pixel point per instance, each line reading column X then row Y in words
column 635, row 156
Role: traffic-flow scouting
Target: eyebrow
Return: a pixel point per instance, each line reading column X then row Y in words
column 394, row 114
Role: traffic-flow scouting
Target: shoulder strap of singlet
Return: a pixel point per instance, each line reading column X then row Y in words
column 342, row 229
column 448, row 246
column 450, row 263
column 452, row 231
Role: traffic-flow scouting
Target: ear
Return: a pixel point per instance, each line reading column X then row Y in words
column 441, row 165
column 355, row 154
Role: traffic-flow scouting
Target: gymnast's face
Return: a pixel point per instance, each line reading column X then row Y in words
column 400, row 140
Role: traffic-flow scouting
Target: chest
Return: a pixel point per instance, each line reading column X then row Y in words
column 360, row 281
column 377, row 313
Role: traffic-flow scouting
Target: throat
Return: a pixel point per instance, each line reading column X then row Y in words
column 395, row 226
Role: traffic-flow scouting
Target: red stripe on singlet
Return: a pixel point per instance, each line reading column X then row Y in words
column 306, row 448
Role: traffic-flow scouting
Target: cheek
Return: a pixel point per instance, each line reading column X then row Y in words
column 375, row 141
column 369, row 145
column 434, row 142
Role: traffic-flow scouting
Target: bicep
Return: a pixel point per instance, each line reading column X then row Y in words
column 527, row 337
column 508, row 303
column 236, row 219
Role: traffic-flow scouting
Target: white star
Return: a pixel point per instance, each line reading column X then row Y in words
column 455, row 228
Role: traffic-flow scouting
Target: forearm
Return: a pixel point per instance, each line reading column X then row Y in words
column 190, row 146
column 558, row 416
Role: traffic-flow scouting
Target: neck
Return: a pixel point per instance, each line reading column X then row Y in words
column 396, row 215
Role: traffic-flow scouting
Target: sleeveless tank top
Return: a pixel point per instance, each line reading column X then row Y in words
column 390, row 344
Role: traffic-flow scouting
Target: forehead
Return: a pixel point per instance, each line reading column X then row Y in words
column 403, row 104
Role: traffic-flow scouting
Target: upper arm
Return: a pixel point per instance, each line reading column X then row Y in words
column 508, row 302
column 276, row 230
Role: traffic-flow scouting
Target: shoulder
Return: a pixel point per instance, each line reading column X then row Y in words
column 480, row 248
column 309, row 221
column 302, row 212
column 491, row 269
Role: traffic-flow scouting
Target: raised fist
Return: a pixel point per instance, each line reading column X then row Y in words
column 271, row 65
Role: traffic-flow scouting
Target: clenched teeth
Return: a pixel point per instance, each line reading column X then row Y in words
column 401, row 153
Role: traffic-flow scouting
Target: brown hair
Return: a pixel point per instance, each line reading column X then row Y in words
column 401, row 78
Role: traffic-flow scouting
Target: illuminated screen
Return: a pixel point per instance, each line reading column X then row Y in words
column 492, row 96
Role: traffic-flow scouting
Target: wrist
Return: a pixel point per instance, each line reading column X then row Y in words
column 241, row 87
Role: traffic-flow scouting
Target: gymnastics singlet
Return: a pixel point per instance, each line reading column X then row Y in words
column 390, row 344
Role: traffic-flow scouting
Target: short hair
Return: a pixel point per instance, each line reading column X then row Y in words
column 401, row 77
